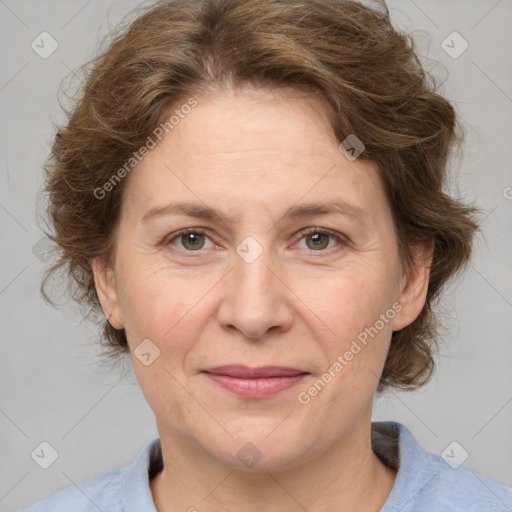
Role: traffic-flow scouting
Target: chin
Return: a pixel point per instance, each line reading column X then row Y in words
column 261, row 444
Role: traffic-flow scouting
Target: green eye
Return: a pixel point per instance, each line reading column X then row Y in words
column 193, row 240
column 319, row 240
column 316, row 239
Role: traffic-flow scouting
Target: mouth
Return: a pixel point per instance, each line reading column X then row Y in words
column 261, row 382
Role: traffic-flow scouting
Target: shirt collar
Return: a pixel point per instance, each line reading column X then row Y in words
column 392, row 442
column 135, row 489
column 415, row 469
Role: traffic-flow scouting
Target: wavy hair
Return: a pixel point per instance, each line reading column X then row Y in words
column 348, row 54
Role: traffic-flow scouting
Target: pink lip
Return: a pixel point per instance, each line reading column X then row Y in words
column 259, row 382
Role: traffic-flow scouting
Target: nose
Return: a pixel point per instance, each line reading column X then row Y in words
column 256, row 299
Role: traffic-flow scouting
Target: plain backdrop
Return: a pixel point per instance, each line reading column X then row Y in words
column 52, row 387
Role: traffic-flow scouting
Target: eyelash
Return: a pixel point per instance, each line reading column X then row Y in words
column 302, row 234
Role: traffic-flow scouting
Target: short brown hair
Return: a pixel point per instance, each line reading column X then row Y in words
column 347, row 54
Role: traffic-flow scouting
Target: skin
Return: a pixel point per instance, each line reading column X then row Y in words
column 252, row 154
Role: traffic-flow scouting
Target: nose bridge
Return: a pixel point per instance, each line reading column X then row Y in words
column 252, row 265
column 254, row 301
column 253, row 279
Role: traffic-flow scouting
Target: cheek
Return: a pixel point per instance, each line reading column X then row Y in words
column 352, row 298
column 359, row 310
column 354, row 326
column 157, row 304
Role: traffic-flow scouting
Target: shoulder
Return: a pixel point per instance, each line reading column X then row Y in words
column 123, row 490
column 426, row 481
column 101, row 493
column 458, row 488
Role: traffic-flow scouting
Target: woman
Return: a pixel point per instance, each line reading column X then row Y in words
column 252, row 192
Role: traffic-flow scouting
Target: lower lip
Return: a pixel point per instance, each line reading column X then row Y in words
column 256, row 388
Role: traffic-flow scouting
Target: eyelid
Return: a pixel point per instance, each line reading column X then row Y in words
column 300, row 235
column 174, row 236
column 336, row 236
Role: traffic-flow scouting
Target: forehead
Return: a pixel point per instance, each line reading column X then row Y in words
column 236, row 122
column 239, row 148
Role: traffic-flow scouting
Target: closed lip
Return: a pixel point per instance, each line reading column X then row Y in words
column 247, row 372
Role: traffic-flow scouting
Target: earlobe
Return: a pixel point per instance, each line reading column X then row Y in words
column 414, row 286
column 107, row 292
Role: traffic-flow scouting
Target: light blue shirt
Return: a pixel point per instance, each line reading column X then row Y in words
column 424, row 483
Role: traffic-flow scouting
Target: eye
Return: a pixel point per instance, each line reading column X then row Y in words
column 318, row 239
column 191, row 239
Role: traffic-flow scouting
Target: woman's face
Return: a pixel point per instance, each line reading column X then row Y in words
column 262, row 279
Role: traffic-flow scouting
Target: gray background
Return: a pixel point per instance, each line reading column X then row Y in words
column 52, row 387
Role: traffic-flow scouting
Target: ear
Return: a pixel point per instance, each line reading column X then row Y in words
column 104, row 281
column 414, row 286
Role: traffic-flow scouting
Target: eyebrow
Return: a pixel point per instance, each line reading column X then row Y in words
column 201, row 211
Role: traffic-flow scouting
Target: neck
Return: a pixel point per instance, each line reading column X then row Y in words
column 348, row 477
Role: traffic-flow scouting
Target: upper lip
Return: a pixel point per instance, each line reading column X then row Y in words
column 246, row 372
